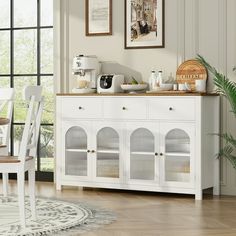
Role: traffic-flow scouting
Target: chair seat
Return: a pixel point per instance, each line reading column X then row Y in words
column 12, row 159
column 4, row 121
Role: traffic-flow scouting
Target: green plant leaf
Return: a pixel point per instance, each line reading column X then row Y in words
column 226, row 152
column 226, row 88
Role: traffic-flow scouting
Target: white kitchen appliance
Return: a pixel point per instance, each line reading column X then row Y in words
column 110, row 83
column 86, row 70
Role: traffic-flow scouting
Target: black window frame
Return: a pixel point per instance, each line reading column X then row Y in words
column 40, row 175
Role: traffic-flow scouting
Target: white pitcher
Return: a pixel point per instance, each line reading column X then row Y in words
column 200, row 85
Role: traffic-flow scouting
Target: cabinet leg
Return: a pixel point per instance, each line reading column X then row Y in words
column 58, row 187
column 198, row 195
column 216, row 190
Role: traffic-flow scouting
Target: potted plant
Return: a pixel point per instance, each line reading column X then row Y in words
column 226, row 88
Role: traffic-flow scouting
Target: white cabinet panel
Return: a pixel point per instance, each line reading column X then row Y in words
column 172, row 108
column 81, row 108
column 123, row 108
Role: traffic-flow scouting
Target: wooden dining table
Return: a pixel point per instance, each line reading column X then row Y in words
column 4, row 121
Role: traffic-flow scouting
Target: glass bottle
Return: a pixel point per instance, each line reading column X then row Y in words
column 152, row 80
column 160, row 81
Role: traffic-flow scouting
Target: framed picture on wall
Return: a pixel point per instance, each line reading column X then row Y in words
column 98, row 15
column 144, row 24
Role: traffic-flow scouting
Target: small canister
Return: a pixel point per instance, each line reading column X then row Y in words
column 175, row 87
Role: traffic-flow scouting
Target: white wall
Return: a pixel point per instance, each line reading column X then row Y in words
column 111, row 48
column 191, row 26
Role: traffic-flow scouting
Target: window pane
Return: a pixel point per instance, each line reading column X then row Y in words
column 5, row 14
column 25, row 54
column 4, row 82
column 4, row 52
column 17, row 134
column 46, row 50
column 48, row 114
column 46, row 12
column 20, row 106
column 25, row 13
column 46, row 149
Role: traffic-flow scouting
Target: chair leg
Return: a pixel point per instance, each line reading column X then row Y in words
column 21, row 196
column 31, row 174
column 5, row 184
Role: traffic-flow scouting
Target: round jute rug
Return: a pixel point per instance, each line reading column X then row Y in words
column 54, row 217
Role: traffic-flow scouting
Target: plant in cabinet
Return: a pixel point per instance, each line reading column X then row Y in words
column 226, row 88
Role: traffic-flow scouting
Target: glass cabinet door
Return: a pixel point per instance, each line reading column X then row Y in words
column 177, row 156
column 142, row 155
column 108, row 153
column 177, row 147
column 76, row 159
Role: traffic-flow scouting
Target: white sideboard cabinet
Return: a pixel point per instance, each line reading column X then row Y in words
column 138, row 142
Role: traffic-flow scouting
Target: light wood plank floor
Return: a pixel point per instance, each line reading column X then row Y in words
column 144, row 214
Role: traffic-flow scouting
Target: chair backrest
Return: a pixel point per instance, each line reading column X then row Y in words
column 6, row 109
column 29, row 142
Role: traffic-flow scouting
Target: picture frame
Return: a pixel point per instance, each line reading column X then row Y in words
column 144, row 24
column 98, row 14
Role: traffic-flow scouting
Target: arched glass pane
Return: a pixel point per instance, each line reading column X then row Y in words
column 177, row 156
column 108, row 153
column 142, row 140
column 177, row 140
column 76, row 162
column 142, row 162
column 76, row 138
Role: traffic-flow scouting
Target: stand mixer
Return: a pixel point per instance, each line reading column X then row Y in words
column 86, row 70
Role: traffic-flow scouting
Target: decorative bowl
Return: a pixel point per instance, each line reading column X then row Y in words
column 166, row 87
column 133, row 87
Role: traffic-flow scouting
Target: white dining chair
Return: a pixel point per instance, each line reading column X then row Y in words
column 6, row 108
column 25, row 161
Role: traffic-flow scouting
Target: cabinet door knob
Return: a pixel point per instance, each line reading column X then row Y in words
column 123, row 108
column 170, row 108
column 156, row 154
column 161, row 154
column 80, row 108
column 88, row 151
column 92, row 151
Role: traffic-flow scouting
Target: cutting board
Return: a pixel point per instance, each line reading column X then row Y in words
column 165, row 91
column 189, row 71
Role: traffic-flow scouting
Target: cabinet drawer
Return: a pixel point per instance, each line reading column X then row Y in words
column 122, row 108
column 172, row 108
column 81, row 107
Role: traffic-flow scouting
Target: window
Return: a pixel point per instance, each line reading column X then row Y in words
column 26, row 58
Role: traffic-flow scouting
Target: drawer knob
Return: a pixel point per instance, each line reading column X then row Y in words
column 88, row 151
column 156, row 154
column 80, row 108
column 161, row 154
column 92, row 151
column 123, row 108
column 170, row 108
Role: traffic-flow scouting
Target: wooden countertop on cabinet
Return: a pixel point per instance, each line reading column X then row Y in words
column 163, row 93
